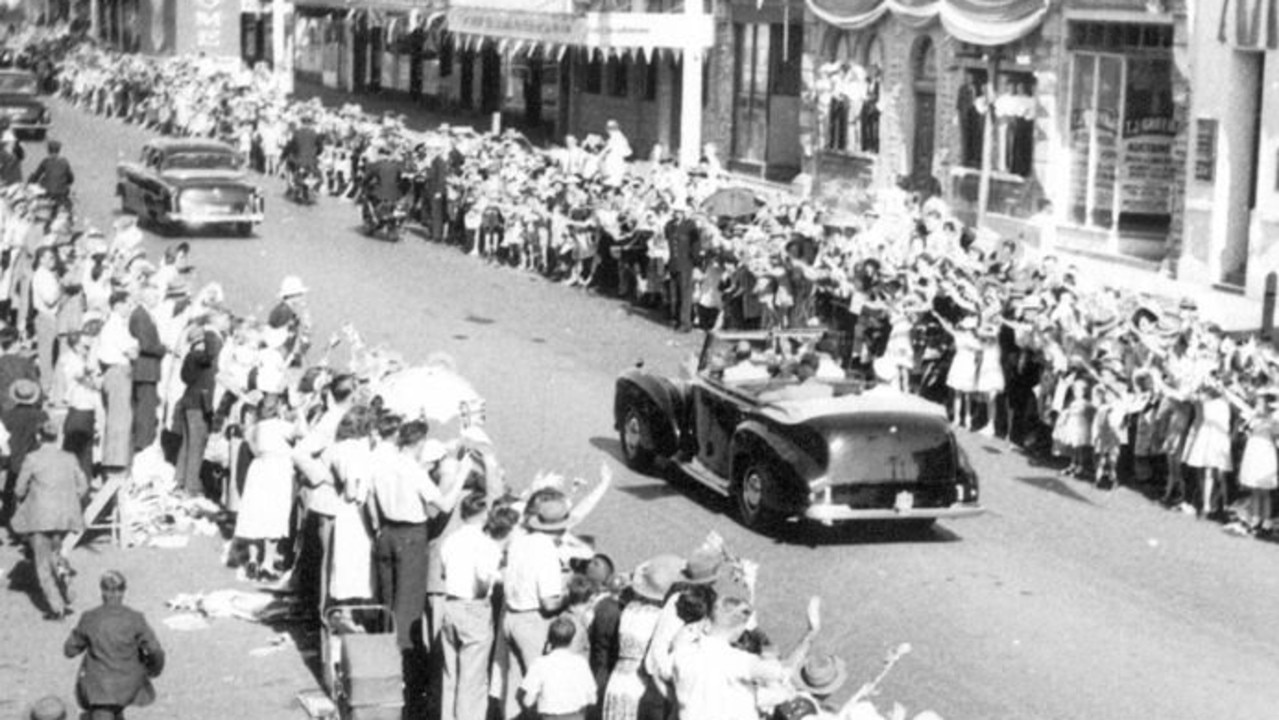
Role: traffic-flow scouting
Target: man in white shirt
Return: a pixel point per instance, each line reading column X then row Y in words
column 533, row 584
column 406, row 494
column 46, row 298
column 470, row 559
column 713, row 679
column 559, row 684
column 116, row 351
column 744, row 368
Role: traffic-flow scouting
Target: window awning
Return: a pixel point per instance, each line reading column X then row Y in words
column 979, row 22
column 1250, row 24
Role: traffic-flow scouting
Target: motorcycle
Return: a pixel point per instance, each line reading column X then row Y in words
column 304, row 186
column 385, row 216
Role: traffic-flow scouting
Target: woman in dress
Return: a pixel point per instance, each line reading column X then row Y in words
column 351, row 576
column 1208, row 446
column 268, row 489
column 962, row 376
column 990, row 371
column 1259, row 469
column 650, row 583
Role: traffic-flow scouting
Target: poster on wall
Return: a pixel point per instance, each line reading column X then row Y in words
column 1149, row 129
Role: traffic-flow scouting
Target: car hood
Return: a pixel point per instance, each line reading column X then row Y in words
column 875, row 401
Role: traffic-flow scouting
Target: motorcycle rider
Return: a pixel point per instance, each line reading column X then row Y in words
column 383, row 184
column 302, row 151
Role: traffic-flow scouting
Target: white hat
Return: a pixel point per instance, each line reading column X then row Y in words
column 292, row 285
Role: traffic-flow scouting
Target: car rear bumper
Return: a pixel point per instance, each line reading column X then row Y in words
column 831, row 513
column 29, row 127
column 215, row 218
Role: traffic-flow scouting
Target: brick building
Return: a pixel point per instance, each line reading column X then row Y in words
column 1060, row 123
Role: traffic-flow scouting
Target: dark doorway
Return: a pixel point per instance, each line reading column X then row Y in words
column 924, row 80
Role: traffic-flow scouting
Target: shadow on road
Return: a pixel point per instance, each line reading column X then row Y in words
column 22, row 579
column 1054, row 485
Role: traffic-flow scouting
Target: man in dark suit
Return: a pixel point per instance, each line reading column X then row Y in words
column 686, row 249
column 22, row 421
column 302, row 151
column 146, row 369
column 437, row 187
column 121, row 655
column 195, row 409
column 14, row 365
column 55, row 176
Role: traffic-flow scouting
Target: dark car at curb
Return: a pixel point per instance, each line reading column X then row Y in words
column 21, row 105
column 858, row 455
column 184, row 182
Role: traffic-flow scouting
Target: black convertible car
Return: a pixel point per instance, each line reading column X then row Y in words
column 842, row 453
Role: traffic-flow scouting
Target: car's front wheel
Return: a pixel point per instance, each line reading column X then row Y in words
column 752, row 486
column 633, row 433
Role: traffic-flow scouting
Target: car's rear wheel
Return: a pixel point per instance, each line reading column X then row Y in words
column 752, row 486
column 633, row 433
column 244, row 229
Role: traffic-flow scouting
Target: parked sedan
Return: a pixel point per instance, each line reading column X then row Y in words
column 179, row 183
column 836, row 453
column 20, row 103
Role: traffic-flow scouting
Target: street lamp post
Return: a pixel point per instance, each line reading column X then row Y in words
column 280, row 50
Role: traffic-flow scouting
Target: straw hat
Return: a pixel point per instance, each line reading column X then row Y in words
column 653, row 578
column 821, row 674
column 292, row 286
column 551, row 515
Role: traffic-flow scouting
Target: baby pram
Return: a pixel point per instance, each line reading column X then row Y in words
column 361, row 660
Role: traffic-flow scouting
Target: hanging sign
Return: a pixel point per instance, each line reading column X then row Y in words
column 208, row 27
column 599, row 30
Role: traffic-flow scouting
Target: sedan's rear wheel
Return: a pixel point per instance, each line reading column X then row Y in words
column 752, row 486
column 633, row 434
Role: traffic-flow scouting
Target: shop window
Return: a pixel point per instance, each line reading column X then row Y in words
column 618, row 77
column 594, row 74
column 1122, row 130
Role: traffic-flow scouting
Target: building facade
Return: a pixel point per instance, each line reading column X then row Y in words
column 1062, row 124
column 1232, row 170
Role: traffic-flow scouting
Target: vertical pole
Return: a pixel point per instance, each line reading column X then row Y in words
column 1268, row 308
column 281, row 62
column 95, row 13
column 987, row 139
column 690, row 109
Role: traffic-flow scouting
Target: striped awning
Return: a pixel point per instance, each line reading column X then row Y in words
column 979, row 22
column 1250, row 24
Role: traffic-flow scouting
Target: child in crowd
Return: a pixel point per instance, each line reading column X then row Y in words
column 559, row 684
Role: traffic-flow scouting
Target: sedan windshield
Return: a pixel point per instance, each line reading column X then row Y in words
column 200, row 161
column 17, row 84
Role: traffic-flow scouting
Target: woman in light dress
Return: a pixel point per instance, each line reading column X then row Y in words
column 650, row 583
column 349, row 459
column 267, row 502
column 1259, row 468
column 1208, row 446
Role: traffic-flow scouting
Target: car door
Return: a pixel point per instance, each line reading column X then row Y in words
column 717, row 412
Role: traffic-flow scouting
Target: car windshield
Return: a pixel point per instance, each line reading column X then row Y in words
column 11, row 84
column 756, row 356
column 200, row 161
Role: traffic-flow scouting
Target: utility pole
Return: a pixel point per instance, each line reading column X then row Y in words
column 281, row 50
column 95, row 11
column 988, row 137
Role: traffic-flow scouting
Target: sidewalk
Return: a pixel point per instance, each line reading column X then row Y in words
column 1232, row 311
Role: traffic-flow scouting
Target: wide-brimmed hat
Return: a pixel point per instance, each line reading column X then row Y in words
column 292, row 286
column 821, row 674
column 653, row 578
column 177, row 288
column 703, row 567
column 49, row 708
column 24, row 391
column 551, row 514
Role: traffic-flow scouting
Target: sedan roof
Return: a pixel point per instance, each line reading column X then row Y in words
column 172, row 145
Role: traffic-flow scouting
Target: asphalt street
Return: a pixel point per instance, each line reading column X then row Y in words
column 1062, row 601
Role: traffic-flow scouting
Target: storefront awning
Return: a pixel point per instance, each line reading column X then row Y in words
column 620, row 31
column 980, row 22
column 1250, row 24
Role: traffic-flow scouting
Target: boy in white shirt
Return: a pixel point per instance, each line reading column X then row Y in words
column 559, row 685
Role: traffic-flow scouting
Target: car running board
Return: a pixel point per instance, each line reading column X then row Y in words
column 704, row 475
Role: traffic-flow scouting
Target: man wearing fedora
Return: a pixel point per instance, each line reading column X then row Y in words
column 686, row 249
column 121, row 654
column 290, row 314
column 533, row 584
column 14, row 365
column 22, row 422
column 49, row 490
column 195, row 409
